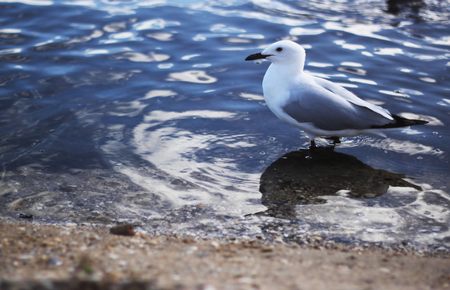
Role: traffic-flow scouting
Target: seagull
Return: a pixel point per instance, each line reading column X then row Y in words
column 318, row 106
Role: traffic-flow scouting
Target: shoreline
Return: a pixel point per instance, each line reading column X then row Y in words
column 37, row 256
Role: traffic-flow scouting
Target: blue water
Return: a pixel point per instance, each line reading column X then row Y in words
column 147, row 113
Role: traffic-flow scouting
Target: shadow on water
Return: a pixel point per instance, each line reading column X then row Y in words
column 304, row 176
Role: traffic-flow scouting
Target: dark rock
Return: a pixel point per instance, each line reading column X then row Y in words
column 123, row 230
column 55, row 261
column 25, row 216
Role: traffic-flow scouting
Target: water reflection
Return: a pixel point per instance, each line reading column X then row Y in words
column 405, row 147
column 141, row 57
column 159, row 93
column 192, row 76
column 155, row 24
column 304, row 176
column 352, row 70
column 160, row 36
column 188, row 166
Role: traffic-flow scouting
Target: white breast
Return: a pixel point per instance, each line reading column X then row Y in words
column 276, row 93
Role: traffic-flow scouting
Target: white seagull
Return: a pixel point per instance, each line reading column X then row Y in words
column 319, row 107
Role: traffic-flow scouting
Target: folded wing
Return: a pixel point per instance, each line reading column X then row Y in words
column 329, row 111
column 349, row 96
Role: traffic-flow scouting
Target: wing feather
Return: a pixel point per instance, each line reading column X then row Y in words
column 328, row 111
column 349, row 96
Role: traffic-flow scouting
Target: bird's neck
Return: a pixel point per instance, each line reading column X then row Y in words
column 277, row 82
column 288, row 69
column 284, row 72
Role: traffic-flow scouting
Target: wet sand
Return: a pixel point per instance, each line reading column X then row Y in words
column 34, row 256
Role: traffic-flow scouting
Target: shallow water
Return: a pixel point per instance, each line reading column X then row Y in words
column 146, row 112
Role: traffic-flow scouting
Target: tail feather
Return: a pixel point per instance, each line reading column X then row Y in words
column 401, row 122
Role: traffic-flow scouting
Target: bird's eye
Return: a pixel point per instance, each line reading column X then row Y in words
column 279, row 49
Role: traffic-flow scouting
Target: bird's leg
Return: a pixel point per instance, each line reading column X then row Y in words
column 312, row 144
column 335, row 140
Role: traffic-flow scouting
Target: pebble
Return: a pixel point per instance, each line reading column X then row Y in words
column 266, row 250
column 55, row 261
column 191, row 250
column 113, row 256
column 384, row 270
column 245, row 280
column 25, row 257
column 123, row 263
column 215, row 244
column 123, row 230
column 26, row 216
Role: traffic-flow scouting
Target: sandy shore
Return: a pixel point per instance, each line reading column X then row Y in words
column 36, row 256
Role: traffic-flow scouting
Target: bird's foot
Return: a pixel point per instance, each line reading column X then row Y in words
column 312, row 145
column 335, row 139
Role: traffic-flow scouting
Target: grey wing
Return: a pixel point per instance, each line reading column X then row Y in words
column 327, row 111
column 352, row 98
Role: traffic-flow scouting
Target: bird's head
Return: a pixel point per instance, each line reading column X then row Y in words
column 282, row 52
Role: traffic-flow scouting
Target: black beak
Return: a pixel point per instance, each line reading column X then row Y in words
column 256, row 56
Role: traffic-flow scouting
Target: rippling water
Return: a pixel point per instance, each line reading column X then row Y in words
column 145, row 111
